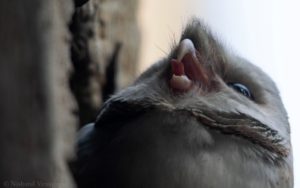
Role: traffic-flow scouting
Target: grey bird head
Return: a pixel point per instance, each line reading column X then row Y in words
column 201, row 117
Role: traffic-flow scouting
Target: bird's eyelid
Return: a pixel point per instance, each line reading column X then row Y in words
column 242, row 89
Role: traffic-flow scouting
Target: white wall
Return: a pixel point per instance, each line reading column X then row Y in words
column 265, row 32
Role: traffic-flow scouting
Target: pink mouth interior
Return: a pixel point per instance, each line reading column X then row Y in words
column 187, row 69
column 177, row 67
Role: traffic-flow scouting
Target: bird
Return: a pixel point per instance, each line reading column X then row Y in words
column 200, row 117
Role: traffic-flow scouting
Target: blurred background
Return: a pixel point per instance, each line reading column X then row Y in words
column 265, row 32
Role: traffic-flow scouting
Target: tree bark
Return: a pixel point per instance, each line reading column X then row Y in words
column 104, row 52
column 55, row 60
column 37, row 124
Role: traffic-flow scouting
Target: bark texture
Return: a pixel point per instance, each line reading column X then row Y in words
column 46, row 47
column 38, row 127
column 105, row 49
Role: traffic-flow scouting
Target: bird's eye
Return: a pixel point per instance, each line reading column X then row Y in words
column 241, row 89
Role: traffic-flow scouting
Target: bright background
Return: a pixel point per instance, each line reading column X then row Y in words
column 265, row 32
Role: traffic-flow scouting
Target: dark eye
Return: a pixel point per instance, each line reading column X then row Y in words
column 241, row 89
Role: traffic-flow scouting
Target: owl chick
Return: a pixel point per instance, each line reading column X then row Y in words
column 201, row 117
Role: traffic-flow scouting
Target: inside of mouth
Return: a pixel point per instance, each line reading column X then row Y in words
column 179, row 80
column 185, row 68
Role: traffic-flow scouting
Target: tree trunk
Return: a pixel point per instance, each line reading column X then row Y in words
column 38, row 61
column 104, row 52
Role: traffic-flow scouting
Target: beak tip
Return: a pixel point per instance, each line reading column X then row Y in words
column 185, row 46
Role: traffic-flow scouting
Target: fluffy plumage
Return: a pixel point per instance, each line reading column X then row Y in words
column 207, row 134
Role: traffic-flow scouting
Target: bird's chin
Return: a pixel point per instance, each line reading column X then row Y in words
column 176, row 147
column 156, row 146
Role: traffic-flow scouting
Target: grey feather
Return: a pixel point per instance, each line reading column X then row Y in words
column 149, row 135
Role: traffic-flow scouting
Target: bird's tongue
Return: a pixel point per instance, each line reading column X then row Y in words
column 186, row 68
